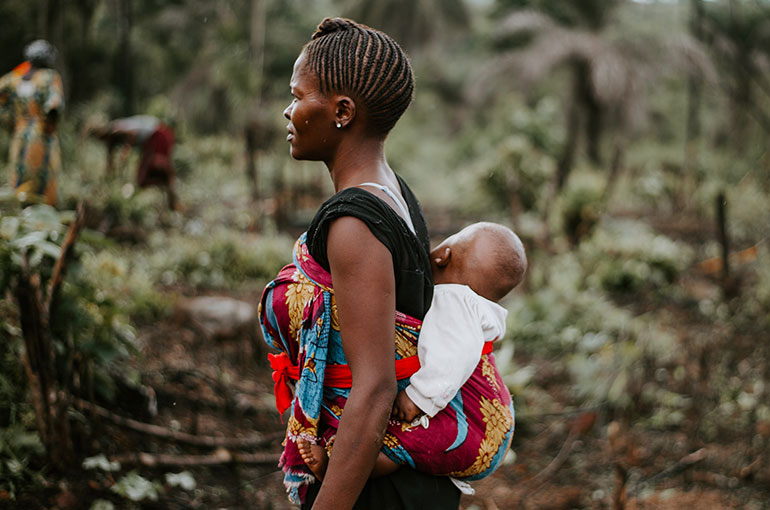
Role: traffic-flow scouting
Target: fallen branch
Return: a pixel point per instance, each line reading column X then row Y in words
column 578, row 427
column 684, row 463
column 534, row 483
column 182, row 437
column 220, row 457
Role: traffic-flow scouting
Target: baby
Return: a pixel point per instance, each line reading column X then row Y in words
column 472, row 270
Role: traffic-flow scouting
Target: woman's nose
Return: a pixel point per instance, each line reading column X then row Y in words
column 287, row 112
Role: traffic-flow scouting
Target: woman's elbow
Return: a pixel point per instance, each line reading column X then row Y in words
column 380, row 391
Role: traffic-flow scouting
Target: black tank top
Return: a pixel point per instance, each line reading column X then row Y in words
column 414, row 283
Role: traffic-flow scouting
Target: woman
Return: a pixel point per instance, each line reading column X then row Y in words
column 34, row 94
column 364, row 257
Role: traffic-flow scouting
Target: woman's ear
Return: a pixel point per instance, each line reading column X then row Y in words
column 345, row 111
column 443, row 259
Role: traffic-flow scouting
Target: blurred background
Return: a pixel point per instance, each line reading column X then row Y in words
column 625, row 141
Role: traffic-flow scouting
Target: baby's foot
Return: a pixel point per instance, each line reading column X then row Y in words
column 314, row 456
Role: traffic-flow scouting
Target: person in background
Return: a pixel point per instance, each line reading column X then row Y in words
column 34, row 96
column 156, row 141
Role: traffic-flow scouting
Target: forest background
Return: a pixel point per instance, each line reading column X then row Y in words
column 625, row 141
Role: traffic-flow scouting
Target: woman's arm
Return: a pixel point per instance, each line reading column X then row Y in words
column 364, row 288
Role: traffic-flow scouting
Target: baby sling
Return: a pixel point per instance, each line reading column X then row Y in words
column 466, row 440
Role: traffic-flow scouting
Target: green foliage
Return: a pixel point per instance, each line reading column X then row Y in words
column 136, row 488
column 580, row 205
column 605, row 348
column 223, row 259
column 18, row 448
column 627, row 256
column 90, row 326
column 514, row 159
column 32, row 234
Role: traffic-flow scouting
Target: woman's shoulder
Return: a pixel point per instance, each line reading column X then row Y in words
column 358, row 203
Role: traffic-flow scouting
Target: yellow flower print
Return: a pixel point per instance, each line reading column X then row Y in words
column 404, row 347
column 390, row 441
column 488, row 371
column 294, row 428
column 335, row 317
column 297, row 297
column 498, row 421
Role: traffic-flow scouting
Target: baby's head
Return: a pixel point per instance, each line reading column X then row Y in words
column 487, row 257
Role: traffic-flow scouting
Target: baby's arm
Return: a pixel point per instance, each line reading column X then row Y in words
column 449, row 349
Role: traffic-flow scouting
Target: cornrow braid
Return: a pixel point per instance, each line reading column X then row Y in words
column 351, row 58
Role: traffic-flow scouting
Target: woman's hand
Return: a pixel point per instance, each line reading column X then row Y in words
column 365, row 293
column 404, row 409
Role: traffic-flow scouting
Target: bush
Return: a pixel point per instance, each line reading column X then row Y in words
column 226, row 259
column 627, row 256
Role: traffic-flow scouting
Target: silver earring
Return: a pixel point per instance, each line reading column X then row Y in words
column 339, row 125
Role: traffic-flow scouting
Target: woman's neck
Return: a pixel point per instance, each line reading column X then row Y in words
column 359, row 162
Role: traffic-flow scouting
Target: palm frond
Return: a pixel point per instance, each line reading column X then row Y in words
column 687, row 54
column 523, row 21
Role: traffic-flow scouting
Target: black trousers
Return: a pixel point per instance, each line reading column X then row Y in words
column 406, row 489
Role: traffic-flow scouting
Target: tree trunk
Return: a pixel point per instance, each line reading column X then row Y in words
column 615, row 168
column 721, row 204
column 567, row 159
column 593, row 114
column 257, row 43
column 254, row 127
column 250, row 135
column 693, row 125
column 125, row 64
column 42, row 18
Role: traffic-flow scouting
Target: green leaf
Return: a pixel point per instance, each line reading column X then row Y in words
column 185, row 480
column 30, row 239
column 50, row 249
column 9, row 226
column 102, row 504
column 100, row 462
column 136, row 488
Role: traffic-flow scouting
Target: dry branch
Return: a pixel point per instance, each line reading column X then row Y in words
column 61, row 264
column 683, row 464
column 540, row 478
column 220, row 457
column 182, row 437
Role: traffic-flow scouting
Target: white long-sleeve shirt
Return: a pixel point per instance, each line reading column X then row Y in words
column 453, row 334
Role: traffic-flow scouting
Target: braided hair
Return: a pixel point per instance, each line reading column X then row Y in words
column 369, row 65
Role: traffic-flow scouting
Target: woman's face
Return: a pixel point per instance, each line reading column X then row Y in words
column 311, row 116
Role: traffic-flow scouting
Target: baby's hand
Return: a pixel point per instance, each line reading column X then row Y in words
column 404, row 409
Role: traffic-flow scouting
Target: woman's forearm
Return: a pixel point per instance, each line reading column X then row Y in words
column 364, row 288
column 358, row 441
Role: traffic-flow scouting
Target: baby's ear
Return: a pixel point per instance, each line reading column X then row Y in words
column 443, row 259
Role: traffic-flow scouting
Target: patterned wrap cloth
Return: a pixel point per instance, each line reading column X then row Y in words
column 35, row 158
column 298, row 314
